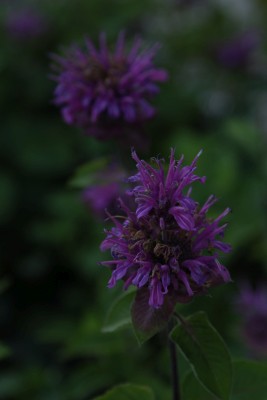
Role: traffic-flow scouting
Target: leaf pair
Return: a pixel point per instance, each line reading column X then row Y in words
column 195, row 337
column 214, row 376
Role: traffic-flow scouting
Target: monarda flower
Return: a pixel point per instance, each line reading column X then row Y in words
column 252, row 308
column 25, row 24
column 103, row 193
column 237, row 53
column 166, row 243
column 99, row 90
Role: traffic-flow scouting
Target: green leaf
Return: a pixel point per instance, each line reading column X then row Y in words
column 205, row 350
column 245, row 135
column 86, row 174
column 250, row 380
column 128, row 391
column 4, row 351
column 119, row 314
column 4, row 285
column 192, row 389
column 249, row 383
column 147, row 321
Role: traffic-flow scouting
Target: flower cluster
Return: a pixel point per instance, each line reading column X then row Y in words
column 98, row 88
column 252, row 306
column 166, row 243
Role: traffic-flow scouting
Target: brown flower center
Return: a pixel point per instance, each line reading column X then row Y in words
column 109, row 75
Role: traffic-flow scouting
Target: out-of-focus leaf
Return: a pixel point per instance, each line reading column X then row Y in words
column 4, row 351
column 119, row 314
column 205, row 350
column 10, row 383
column 249, row 382
column 8, row 197
column 4, row 284
column 128, row 392
column 85, row 175
column 45, row 152
column 245, row 135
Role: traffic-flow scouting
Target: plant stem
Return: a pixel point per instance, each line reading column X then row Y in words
column 174, row 366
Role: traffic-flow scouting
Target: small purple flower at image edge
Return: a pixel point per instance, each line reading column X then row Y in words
column 251, row 305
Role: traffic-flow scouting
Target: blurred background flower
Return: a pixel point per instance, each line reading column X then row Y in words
column 107, row 89
column 252, row 308
column 25, row 24
column 103, row 194
column 238, row 52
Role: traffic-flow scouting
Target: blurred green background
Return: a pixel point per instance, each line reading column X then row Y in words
column 53, row 297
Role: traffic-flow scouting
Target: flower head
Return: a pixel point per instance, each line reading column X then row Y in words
column 166, row 242
column 237, row 52
column 252, row 306
column 98, row 88
column 106, row 189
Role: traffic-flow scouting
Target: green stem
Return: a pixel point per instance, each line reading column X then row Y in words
column 174, row 366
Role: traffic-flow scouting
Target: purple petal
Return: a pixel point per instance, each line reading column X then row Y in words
column 184, row 220
column 156, row 296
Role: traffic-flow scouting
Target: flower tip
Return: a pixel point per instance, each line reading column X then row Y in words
column 173, row 151
column 134, row 155
column 107, row 216
column 197, row 157
column 228, row 210
column 199, row 153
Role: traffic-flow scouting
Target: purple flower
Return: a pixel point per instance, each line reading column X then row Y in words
column 237, row 52
column 98, row 89
column 103, row 194
column 252, row 307
column 25, row 24
column 166, row 242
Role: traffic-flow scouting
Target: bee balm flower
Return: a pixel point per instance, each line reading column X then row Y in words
column 166, row 243
column 25, row 24
column 99, row 90
column 103, row 193
column 252, row 307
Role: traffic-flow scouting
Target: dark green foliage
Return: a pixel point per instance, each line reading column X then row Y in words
column 249, row 382
column 53, row 295
column 128, row 392
column 206, row 352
